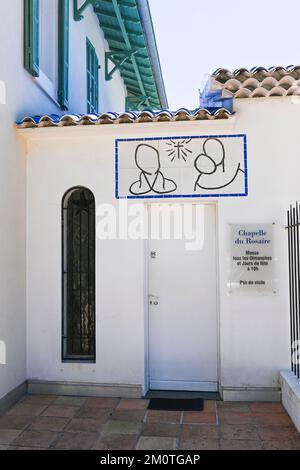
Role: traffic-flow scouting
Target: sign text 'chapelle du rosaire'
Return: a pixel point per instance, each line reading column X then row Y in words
column 252, row 269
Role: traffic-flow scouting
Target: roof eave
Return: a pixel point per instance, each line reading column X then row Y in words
column 146, row 19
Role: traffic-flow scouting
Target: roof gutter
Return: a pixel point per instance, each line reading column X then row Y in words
column 146, row 19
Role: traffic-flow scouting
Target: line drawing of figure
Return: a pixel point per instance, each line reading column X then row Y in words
column 151, row 178
column 212, row 162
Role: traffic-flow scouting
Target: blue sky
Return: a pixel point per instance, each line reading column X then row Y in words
column 196, row 37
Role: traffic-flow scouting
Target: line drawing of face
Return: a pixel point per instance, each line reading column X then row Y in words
column 147, row 159
column 208, row 162
column 212, row 157
column 151, row 178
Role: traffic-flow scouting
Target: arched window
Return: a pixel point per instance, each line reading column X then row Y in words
column 78, row 251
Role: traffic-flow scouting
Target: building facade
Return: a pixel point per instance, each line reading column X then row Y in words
column 59, row 57
column 144, row 250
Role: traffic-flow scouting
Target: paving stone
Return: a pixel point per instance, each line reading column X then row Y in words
column 199, row 417
column 24, row 409
column 116, row 442
column 39, row 399
column 239, row 444
column 70, row 401
column 129, row 415
column 49, row 423
column 266, row 407
column 133, row 404
column 161, row 429
column 35, row 439
column 122, row 427
column 197, row 444
column 8, row 435
column 3, row 448
column 15, row 421
column 273, row 419
column 154, row 416
column 194, row 432
column 233, row 417
column 76, row 441
column 96, row 402
column 101, row 414
column 277, row 433
column 61, row 411
column 156, row 443
column 239, row 431
column 84, row 424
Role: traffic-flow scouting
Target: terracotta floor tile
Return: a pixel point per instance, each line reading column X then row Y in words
column 108, row 403
column 196, row 444
column 122, row 427
column 39, row 399
column 156, row 443
column 262, row 407
column 154, row 416
column 239, row 431
column 161, row 429
column 277, row 433
column 205, row 431
column 101, row 414
column 8, row 435
column 129, row 415
column 293, row 444
column 49, row 423
column 233, row 417
column 76, row 441
column 116, row 442
column 239, row 407
column 239, row 444
column 84, row 424
column 70, row 401
column 272, row 419
column 210, row 406
column 15, row 421
column 61, row 411
column 35, row 439
column 132, row 404
column 199, row 417
column 24, row 409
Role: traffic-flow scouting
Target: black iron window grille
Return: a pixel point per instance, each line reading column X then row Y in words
column 293, row 223
column 78, row 264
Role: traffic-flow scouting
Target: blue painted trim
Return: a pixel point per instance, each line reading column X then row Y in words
column 177, row 196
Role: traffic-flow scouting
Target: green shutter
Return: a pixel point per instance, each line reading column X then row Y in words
column 63, row 53
column 31, row 36
column 92, row 79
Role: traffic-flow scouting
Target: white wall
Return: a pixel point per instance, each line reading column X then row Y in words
column 24, row 97
column 254, row 336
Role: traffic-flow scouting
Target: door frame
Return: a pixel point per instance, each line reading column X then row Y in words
column 146, row 288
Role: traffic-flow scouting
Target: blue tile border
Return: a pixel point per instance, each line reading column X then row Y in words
column 178, row 196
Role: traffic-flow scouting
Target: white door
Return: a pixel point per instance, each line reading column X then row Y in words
column 183, row 353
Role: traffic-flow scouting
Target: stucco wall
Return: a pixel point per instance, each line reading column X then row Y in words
column 24, row 97
column 254, row 331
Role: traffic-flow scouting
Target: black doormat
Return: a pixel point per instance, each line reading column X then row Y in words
column 176, row 404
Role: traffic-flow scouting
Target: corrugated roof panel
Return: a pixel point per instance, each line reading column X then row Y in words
column 122, row 26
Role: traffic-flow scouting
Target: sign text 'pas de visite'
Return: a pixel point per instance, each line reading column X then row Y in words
column 252, row 259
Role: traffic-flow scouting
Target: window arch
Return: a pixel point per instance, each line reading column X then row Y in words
column 78, row 264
